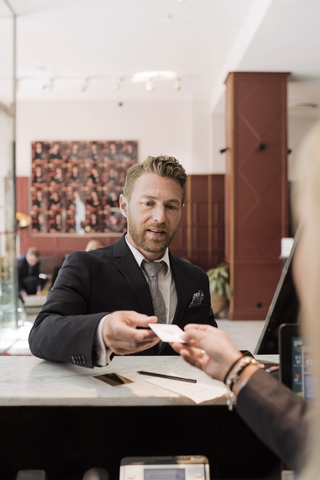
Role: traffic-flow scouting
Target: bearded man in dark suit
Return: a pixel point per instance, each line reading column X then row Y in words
column 100, row 304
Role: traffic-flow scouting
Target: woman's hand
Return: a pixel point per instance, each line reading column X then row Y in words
column 209, row 349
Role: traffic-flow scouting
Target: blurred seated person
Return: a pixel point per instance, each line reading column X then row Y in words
column 28, row 273
column 93, row 244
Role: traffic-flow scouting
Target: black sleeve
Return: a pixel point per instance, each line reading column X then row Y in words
column 64, row 330
column 279, row 417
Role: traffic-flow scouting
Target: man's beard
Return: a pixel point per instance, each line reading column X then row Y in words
column 141, row 239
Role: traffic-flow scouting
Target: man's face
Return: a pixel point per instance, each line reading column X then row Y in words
column 153, row 214
column 32, row 260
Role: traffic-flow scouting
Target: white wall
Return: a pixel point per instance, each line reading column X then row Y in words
column 219, row 142
column 298, row 127
column 201, row 138
column 179, row 128
column 184, row 128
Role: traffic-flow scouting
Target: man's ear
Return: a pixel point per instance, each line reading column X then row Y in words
column 123, row 203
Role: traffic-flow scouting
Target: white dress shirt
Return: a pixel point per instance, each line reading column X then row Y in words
column 167, row 288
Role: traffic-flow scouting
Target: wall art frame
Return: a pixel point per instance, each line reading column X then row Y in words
column 75, row 186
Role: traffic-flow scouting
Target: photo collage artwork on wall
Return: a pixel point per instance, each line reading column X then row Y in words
column 75, row 186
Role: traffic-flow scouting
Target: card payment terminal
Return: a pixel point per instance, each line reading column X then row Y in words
column 182, row 467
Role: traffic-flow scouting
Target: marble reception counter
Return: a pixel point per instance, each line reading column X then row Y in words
column 29, row 381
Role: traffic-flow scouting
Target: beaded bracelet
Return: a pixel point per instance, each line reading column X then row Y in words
column 231, row 368
column 234, row 373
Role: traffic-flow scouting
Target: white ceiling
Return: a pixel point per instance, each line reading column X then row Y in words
column 201, row 40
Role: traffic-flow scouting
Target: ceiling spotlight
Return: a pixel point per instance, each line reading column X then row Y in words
column 149, row 85
column 85, row 86
column 177, row 84
column 156, row 75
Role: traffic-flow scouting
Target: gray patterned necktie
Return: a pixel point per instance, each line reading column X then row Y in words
column 152, row 270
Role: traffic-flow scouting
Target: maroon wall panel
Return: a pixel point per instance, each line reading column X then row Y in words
column 205, row 204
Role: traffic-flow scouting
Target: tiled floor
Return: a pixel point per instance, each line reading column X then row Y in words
column 17, row 339
column 244, row 334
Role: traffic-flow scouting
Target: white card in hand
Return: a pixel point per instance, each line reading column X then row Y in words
column 167, row 332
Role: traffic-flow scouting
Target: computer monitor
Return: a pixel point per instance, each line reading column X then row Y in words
column 297, row 361
column 284, row 308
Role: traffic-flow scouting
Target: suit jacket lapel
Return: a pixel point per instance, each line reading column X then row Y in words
column 127, row 265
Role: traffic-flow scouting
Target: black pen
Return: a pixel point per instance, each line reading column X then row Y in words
column 170, row 377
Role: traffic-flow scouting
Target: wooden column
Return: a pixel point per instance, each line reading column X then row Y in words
column 255, row 189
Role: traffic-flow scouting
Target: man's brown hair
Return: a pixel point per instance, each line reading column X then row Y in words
column 163, row 165
column 33, row 251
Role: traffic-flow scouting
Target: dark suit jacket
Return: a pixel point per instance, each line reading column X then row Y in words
column 93, row 284
column 277, row 416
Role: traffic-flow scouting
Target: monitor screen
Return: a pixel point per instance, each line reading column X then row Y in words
column 284, row 308
column 296, row 361
column 302, row 365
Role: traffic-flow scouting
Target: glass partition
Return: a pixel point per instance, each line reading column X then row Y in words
column 8, row 287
